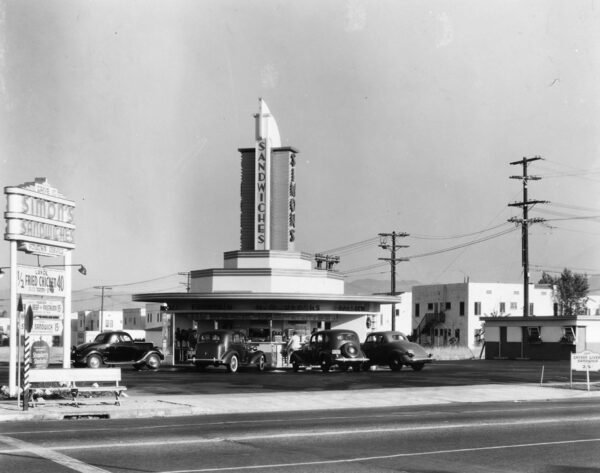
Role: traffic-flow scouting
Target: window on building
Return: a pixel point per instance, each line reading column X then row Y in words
column 448, row 305
column 417, row 310
column 477, row 308
column 91, row 325
column 531, row 308
column 109, row 324
column 489, row 291
column 533, row 334
column 516, row 293
column 461, row 308
column 502, row 307
column 430, row 306
column 150, row 317
column 513, row 306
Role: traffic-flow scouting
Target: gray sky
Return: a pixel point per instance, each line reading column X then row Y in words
column 406, row 115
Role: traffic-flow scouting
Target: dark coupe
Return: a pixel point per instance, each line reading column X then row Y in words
column 116, row 348
column 329, row 348
column 395, row 350
column 227, row 348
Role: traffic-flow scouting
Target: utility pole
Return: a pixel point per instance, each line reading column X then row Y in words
column 524, row 222
column 102, row 306
column 188, row 283
column 393, row 260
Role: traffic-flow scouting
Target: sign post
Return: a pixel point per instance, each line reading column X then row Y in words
column 39, row 220
column 585, row 361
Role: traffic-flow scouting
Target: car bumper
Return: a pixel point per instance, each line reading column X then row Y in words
column 342, row 359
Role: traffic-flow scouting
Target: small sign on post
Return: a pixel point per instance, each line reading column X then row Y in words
column 585, row 361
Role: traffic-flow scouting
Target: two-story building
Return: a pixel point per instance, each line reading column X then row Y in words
column 449, row 314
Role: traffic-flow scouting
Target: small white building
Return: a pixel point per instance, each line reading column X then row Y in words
column 449, row 314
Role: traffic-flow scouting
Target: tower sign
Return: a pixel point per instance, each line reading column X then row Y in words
column 268, row 189
column 267, row 137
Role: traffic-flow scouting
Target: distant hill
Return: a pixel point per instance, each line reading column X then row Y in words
column 377, row 286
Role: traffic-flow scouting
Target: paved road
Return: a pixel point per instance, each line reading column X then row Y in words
column 498, row 437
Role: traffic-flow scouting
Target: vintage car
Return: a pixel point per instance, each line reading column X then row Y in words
column 395, row 350
column 329, row 348
column 227, row 348
column 116, row 348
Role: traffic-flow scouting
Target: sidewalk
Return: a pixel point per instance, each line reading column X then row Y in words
column 136, row 406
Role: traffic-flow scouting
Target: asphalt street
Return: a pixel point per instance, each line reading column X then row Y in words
column 496, row 437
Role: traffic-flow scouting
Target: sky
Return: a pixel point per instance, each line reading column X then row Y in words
column 406, row 115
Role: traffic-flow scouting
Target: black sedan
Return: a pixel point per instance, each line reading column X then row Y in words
column 395, row 350
column 116, row 348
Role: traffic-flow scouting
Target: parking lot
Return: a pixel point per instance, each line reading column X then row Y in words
column 188, row 380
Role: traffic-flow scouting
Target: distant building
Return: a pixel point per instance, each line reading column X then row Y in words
column 449, row 314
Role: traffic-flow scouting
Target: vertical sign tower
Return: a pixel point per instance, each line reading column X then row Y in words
column 268, row 189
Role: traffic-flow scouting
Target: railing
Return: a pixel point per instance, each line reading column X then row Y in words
column 430, row 319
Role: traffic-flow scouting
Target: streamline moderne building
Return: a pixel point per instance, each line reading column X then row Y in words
column 267, row 288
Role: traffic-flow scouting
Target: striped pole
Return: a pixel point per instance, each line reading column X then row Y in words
column 27, row 356
column 26, row 367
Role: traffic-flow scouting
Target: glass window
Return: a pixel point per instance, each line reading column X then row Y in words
column 448, row 305
column 398, row 336
column 477, row 308
column 513, row 306
column 502, row 307
column 430, row 306
column 461, row 309
column 417, row 310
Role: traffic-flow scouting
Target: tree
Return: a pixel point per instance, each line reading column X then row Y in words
column 571, row 291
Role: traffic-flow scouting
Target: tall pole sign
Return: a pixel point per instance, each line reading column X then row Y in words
column 39, row 220
column 267, row 137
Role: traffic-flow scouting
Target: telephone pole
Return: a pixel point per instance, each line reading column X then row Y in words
column 393, row 260
column 102, row 306
column 524, row 222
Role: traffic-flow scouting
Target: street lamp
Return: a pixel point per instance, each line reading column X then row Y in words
column 81, row 269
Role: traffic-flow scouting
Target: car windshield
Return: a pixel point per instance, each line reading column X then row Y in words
column 347, row 336
column 209, row 337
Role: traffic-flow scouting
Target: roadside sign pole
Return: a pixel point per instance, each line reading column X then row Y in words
column 27, row 361
column 19, row 314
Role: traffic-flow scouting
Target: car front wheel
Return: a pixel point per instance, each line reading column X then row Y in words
column 233, row 365
column 94, row 362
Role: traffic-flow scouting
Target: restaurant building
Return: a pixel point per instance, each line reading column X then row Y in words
column 267, row 288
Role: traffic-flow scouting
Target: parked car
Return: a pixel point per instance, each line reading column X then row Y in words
column 116, row 348
column 228, row 348
column 329, row 348
column 395, row 350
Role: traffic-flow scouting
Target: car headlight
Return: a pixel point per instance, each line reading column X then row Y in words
column 410, row 353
